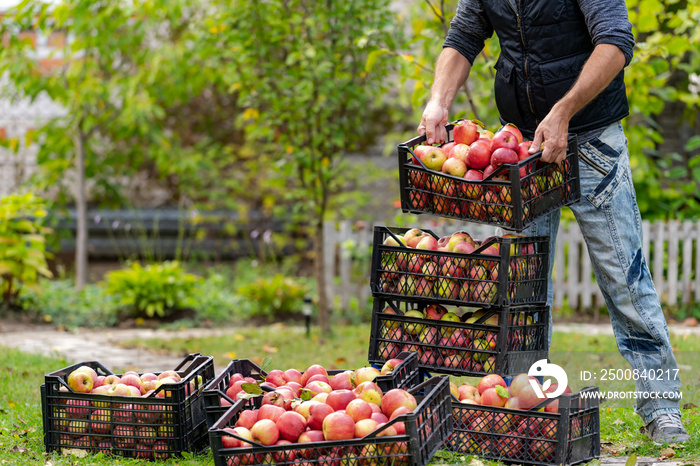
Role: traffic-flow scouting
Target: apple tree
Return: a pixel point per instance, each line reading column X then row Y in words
column 299, row 68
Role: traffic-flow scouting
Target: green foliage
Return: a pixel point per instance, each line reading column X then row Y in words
column 217, row 303
column 61, row 304
column 154, row 290
column 22, row 245
column 274, row 297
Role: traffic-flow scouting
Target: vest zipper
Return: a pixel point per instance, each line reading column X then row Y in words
column 522, row 39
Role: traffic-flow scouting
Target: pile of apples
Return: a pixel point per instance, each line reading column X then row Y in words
column 473, row 156
column 127, row 424
column 475, row 152
column 492, row 391
column 437, row 276
column 312, row 406
column 448, row 346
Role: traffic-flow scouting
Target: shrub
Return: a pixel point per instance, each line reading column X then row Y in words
column 59, row 303
column 22, row 245
column 274, row 297
column 215, row 302
column 154, row 290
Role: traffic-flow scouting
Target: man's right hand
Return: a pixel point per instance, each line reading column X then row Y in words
column 433, row 122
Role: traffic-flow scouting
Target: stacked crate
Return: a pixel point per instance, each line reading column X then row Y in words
column 499, row 301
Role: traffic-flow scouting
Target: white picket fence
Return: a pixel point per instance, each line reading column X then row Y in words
column 671, row 249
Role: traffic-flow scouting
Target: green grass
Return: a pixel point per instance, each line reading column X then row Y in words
column 21, row 433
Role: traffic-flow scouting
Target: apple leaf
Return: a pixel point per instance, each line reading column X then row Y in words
column 252, row 388
column 307, row 394
column 502, row 391
column 247, row 396
column 266, row 363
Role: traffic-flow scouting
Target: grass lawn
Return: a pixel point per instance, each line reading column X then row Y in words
column 21, row 435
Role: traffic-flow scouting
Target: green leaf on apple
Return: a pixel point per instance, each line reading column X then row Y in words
column 252, row 388
column 266, row 363
column 502, row 391
column 307, row 394
column 247, row 396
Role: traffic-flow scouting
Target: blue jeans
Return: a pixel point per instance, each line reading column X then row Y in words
column 609, row 219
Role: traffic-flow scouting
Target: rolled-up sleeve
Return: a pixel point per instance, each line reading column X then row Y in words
column 608, row 23
column 469, row 29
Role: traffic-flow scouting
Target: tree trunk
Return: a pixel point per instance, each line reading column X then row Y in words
column 81, row 263
column 324, row 320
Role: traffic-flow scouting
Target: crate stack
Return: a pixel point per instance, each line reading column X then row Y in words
column 495, row 297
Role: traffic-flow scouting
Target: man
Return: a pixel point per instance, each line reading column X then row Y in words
column 561, row 71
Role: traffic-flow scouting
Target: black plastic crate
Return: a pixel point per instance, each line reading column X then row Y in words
column 505, row 341
column 516, row 276
column 569, row 436
column 167, row 423
column 531, row 188
column 427, row 428
column 216, row 402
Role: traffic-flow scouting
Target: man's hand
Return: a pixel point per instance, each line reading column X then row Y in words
column 433, row 122
column 551, row 137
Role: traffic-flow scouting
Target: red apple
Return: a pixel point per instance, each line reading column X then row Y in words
column 365, row 427
column 504, row 139
column 459, row 152
column 390, row 365
column 248, row 418
column 291, row 425
column 490, row 381
column 510, row 127
column 80, row 381
column 395, row 398
column 524, row 150
column 413, row 236
column 455, row 167
column 479, row 155
column 276, row 377
column 428, row 243
column 292, row 375
column 494, row 396
column 519, row 382
column 338, row 426
column 369, row 392
column 503, row 155
column 311, row 371
column 465, row 132
column 358, row 409
column 271, row 412
column 317, row 413
column 366, row 374
column 339, row 399
column 345, row 380
column 447, row 148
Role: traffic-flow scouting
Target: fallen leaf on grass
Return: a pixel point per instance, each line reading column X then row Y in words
column 618, row 422
column 632, row 460
column 666, row 453
column 676, row 445
column 77, row 452
column 689, row 406
column 48, row 463
column 476, row 462
column 18, row 449
column 270, row 349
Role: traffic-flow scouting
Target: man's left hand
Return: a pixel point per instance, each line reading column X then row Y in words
column 551, row 136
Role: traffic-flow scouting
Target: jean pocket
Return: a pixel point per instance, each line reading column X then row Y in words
column 604, row 157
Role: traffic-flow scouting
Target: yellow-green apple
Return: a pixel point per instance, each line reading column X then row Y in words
column 435, row 311
column 446, row 289
column 90, row 371
column 338, row 426
column 119, row 390
column 414, row 328
column 490, row 363
column 490, row 381
column 366, row 374
column 229, row 441
column 265, row 432
column 459, row 152
column 455, row 167
column 473, row 190
column 433, row 158
column 111, row 379
column 394, row 399
column 358, row 409
column 369, row 392
column 290, row 425
column 80, row 381
column 519, row 382
column 317, row 413
column 450, row 317
column 454, row 390
column 427, row 243
column 430, row 335
column 100, row 421
column 364, row 427
column 465, row 132
column 78, row 427
column 311, row 371
column 162, row 385
column 430, row 270
column 395, row 242
column 479, row 155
